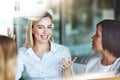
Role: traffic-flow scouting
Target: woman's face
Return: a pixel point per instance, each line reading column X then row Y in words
column 42, row 30
column 97, row 40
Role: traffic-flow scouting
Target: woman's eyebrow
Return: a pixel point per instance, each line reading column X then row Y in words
column 39, row 25
column 50, row 25
column 43, row 25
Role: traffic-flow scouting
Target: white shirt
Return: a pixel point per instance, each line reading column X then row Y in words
column 95, row 66
column 49, row 68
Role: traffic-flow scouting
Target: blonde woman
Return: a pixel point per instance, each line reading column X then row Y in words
column 8, row 50
column 41, row 57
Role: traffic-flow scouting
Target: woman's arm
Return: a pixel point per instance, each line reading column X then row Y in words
column 66, row 65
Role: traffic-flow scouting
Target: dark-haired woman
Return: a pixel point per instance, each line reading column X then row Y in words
column 106, row 41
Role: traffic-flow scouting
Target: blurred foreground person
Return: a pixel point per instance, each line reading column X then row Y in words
column 8, row 62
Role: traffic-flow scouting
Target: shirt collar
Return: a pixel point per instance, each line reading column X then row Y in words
column 52, row 46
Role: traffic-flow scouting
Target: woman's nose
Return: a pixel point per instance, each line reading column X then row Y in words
column 93, row 37
column 45, row 30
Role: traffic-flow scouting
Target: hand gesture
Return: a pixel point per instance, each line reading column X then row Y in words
column 10, row 33
column 66, row 64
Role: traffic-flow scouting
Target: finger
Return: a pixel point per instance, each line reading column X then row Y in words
column 74, row 60
column 9, row 32
column 62, row 66
column 69, row 60
column 64, row 61
column 13, row 36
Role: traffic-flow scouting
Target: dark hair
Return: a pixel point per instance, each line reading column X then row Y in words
column 111, row 36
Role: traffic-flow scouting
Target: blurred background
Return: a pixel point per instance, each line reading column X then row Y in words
column 74, row 20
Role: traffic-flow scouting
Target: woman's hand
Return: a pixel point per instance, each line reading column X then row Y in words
column 66, row 64
column 10, row 33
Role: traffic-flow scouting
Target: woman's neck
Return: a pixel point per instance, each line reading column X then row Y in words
column 41, row 48
column 108, row 58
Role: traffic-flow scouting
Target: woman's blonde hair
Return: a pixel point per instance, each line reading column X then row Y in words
column 8, row 53
column 32, row 20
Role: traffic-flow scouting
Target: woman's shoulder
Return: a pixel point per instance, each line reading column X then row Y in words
column 57, row 45
column 116, row 64
column 23, row 49
column 94, row 59
column 118, row 59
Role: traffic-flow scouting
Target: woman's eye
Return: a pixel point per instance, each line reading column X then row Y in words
column 50, row 27
column 96, row 34
column 40, row 27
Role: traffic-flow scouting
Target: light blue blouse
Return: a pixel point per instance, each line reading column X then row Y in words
column 49, row 68
column 95, row 66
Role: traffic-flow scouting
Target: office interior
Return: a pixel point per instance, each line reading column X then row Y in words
column 74, row 21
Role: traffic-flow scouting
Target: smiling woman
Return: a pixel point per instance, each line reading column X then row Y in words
column 41, row 55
